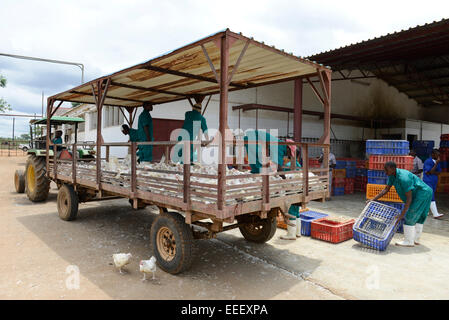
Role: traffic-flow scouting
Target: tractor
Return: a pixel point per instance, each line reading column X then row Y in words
column 33, row 180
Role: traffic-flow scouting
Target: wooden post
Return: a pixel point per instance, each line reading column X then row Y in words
column 224, row 65
column 47, row 147
column 186, row 174
column 133, row 173
column 55, row 163
column 74, row 164
column 107, row 153
column 305, row 171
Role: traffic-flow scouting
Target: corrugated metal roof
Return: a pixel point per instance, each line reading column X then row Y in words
column 415, row 61
column 57, row 120
column 186, row 72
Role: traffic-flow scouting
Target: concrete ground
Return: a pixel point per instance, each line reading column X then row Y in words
column 41, row 253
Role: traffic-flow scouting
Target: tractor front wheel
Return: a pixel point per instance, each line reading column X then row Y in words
column 36, row 181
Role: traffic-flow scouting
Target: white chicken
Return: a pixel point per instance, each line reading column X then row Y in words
column 121, row 260
column 147, row 266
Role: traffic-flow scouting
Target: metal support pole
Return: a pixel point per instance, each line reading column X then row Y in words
column 224, row 66
column 297, row 112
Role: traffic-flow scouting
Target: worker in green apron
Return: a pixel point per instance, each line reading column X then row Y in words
column 193, row 122
column 277, row 154
column 143, row 133
column 417, row 197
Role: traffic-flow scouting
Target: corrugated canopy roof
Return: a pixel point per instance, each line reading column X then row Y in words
column 415, row 61
column 186, row 72
column 57, row 120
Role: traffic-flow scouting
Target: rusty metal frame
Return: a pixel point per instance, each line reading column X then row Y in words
column 223, row 41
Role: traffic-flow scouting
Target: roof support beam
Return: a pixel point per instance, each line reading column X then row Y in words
column 189, row 75
column 109, row 97
column 117, row 84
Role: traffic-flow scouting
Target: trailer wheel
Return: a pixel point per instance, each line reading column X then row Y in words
column 36, row 182
column 19, row 181
column 67, row 203
column 258, row 230
column 172, row 241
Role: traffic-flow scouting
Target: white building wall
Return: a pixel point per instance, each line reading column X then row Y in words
column 368, row 98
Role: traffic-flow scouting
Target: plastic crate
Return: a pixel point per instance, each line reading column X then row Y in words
column 387, row 147
column 444, row 137
column 339, row 173
column 338, row 191
column 351, row 163
column 361, row 164
column 341, row 164
column 314, row 163
column 373, row 190
column 360, row 172
column 306, row 218
column 443, row 179
column 331, row 231
column 336, row 181
column 402, row 162
column 377, row 177
column 376, row 225
column 350, row 172
column 280, row 219
column 444, row 144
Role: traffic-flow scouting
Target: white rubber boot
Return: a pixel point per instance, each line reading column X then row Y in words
column 418, row 232
column 291, row 231
column 298, row 228
column 409, row 235
column 433, row 208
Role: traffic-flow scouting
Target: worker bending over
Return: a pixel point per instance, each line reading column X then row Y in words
column 417, row 197
column 431, row 170
column 143, row 133
column 193, row 123
column 277, row 154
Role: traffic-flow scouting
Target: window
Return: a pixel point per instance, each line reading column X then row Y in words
column 81, row 125
column 112, row 116
column 93, row 120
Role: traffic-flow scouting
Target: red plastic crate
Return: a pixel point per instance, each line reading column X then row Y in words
column 444, row 137
column 314, row 163
column 338, row 181
column 331, row 231
column 377, row 162
column 361, row 164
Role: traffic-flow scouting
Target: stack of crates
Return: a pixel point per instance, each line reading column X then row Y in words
column 350, row 176
column 380, row 152
column 423, row 148
column 444, row 152
column 361, row 178
column 443, row 182
column 338, row 179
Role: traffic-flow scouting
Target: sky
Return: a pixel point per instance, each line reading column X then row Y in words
column 110, row 35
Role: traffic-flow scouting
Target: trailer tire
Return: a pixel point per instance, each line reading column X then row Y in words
column 67, row 203
column 19, row 181
column 37, row 184
column 258, row 230
column 172, row 241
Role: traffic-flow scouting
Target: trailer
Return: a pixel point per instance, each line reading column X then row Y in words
column 196, row 202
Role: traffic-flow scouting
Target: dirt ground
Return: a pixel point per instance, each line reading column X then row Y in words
column 41, row 255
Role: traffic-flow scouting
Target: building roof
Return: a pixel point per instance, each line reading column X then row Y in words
column 187, row 71
column 57, row 120
column 415, row 61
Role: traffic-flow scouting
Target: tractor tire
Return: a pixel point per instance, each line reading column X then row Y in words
column 19, row 181
column 258, row 230
column 67, row 203
column 172, row 241
column 36, row 182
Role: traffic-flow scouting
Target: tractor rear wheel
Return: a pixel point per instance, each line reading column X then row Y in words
column 36, row 181
column 19, row 181
column 67, row 203
column 172, row 241
column 257, row 230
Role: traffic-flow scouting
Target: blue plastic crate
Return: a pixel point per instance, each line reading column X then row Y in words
column 423, row 144
column 338, row 191
column 361, row 172
column 399, row 206
column 341, row 164
column 351, row 163
column 351, row 172
column 388, row 147
column 306, row 218
column 444, row 144
column 376, row 225
column 377, row 177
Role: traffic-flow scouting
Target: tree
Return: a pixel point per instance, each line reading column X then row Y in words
column 4, row 106
column 25, row 136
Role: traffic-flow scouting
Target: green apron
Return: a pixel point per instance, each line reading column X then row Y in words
column 277, row 152
column 405, row 181
column 145, row 153
column 192, row 123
